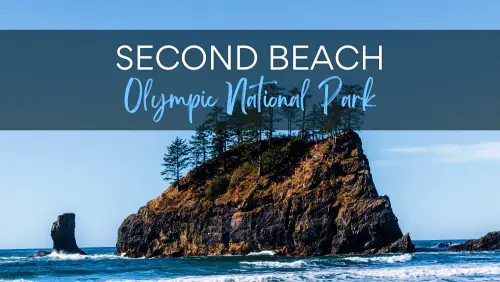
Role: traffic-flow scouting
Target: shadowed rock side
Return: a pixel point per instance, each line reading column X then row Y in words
column 489, row 242
column 63, row 234
column 318, row 200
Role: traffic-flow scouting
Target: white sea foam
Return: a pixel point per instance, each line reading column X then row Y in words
column 62, row 256
column 454, row 271
column 263, row 253
column 9, row 258
column 230, row 278
column 388, row 259
column 429, row 272
column 278, row 264
column 5, row 260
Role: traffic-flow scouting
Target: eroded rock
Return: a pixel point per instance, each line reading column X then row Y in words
column 63, row 235
column 319, row 199
column 489, row 242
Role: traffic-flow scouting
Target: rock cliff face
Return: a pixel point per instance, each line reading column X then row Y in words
column 489, row 242
column 63, row 234
column 312, row 199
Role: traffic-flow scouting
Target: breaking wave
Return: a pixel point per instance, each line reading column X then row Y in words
column 63, row 256
column 387, row 259
column 398, row 273
column 278, row 264
column 263, row 253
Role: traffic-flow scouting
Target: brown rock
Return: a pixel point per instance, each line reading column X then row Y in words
column 402, row 245
column 312, row 199
column 489, row 242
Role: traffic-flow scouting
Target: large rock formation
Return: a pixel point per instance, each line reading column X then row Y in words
column 311, row 199
column 489, row 242
column 63, row 235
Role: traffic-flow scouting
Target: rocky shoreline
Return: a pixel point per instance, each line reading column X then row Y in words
column 489, row 242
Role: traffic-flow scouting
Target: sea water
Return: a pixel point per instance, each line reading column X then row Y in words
column 429, row 264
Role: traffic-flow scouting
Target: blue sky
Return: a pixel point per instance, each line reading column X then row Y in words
column 441, row 184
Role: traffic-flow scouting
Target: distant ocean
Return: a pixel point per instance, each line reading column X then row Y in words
column 102, row 265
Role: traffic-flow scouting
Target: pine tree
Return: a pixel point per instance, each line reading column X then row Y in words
column 352, row 116
column 217, row 124
column 199, row 144
column 237, row 125
column 314, row 120
column 290, row 114
column 332, row 123
column 297, row 91
column 175, row 161
column 272, row 90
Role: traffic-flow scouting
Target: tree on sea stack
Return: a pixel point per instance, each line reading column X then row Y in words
column 176, row 160
column 199, row 144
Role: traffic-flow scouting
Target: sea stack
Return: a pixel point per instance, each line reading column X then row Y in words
column 63, row 235
column 311, row 199
column 489, row 242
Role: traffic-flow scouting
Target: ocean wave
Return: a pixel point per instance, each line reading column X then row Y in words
column 429, row 272
column 292, row 277
column 464, row 271
column 63, row 256
column 278, row 264
column 7, row 260
column 387, row 259
column 262, row 253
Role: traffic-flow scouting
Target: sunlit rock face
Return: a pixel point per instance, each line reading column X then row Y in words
column 316, row 199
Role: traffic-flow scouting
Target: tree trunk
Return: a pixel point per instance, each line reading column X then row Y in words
column 270, row 126
column 259, row 171
column 303, row 129
column 177, row 168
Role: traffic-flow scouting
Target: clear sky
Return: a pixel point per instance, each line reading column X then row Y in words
column 442, row 184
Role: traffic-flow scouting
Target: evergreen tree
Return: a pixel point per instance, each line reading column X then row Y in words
column 237, row 125
column 352, row 115
column 199, row 144
column 175, row 161
column 272, row 90
column 314, row 120
column 297, row 91
column 217, row 124
column 332, row 123
column 290, row 114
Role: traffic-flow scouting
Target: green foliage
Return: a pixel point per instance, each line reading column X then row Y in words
column 352, row 117
column 271, row 158
column 240, row 173
column 217, row 187
column 217, row 124
column 280, row 158
column 175, row 161
column 198, row 145
column 223, row 141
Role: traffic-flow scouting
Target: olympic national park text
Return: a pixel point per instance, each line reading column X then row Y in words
column 263, row 94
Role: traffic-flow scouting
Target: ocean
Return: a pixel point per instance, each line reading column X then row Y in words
column 428, row 264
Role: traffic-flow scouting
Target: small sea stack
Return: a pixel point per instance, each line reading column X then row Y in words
column 63, row 236
column 489, row 242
